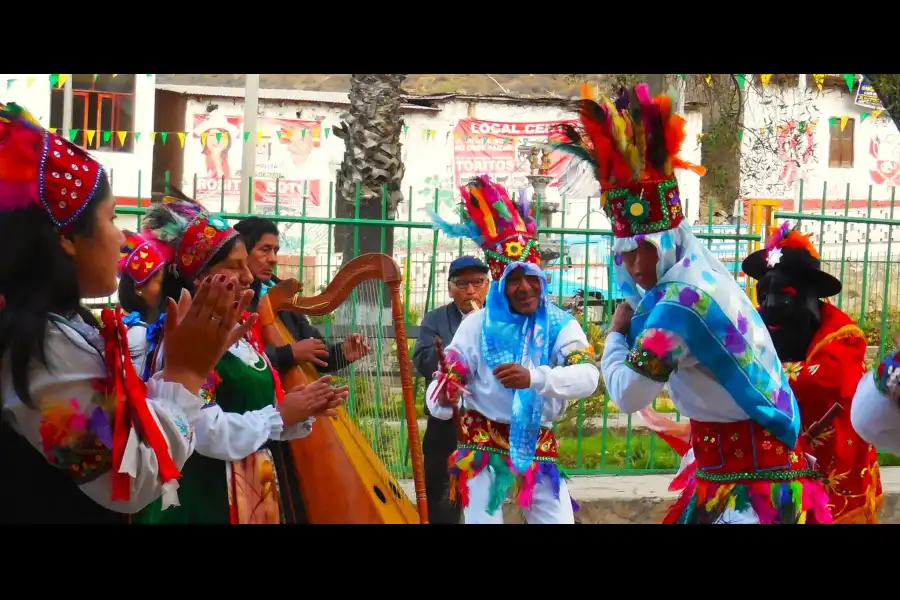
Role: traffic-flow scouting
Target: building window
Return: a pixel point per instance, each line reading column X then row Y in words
column 840, row 149
column 102, row 111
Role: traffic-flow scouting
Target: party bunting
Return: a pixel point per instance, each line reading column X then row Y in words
column 850, row 79
column 741, row 79
column 819, row 79
column 180, row 135
column 765, row 79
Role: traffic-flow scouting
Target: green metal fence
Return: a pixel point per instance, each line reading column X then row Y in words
column 595, row 437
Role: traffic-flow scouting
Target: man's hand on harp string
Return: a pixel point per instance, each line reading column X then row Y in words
column 310, row 400
column 355, row 347
column 451, row 386
column 311, row 350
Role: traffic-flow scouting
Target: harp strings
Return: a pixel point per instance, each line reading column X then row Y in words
column 375, row 404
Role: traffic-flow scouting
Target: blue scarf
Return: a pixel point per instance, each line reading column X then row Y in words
column 508, row 337
column 154, row 333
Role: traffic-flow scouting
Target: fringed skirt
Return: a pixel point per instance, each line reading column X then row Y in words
column 485, row 445
column 742, row 474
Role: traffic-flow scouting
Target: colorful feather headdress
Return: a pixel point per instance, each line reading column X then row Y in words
column 632, row 143
column 504, row 230
column 40, row 168
column 193, row 234
column 142, row 257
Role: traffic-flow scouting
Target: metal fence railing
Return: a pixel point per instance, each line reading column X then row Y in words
column 595, row 437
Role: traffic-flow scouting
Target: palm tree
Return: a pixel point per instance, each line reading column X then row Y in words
column 371, row 132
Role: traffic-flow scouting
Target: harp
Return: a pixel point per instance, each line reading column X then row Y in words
column 346, row 467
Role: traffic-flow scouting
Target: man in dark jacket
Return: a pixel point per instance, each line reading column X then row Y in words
column 261, row 238
column 468, row 287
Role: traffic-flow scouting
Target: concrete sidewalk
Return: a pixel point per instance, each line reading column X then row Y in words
column 645, row 498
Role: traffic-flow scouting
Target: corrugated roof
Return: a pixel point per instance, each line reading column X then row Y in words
column 273, row 94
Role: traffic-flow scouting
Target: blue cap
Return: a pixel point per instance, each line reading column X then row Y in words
column 466, row 262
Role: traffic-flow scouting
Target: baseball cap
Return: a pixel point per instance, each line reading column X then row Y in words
column 466, row 262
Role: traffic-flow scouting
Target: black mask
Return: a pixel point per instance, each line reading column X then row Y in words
column 789, row 307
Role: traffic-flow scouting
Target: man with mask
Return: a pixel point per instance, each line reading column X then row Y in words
column 261, row 239
column 468, row 280
column 823, row 352
column 687, row 323
column 514, row 365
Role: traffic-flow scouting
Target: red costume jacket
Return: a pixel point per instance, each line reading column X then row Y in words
column 834, row 365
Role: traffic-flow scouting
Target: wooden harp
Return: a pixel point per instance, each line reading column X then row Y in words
column 344, row 466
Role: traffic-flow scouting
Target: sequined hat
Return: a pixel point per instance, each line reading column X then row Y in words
column 142, row 258
column 506, row 231
column 39, row 167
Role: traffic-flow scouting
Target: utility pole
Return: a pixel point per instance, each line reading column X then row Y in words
column 248, row 164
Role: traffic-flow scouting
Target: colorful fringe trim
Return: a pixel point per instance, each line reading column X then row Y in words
column 798, row 500
column 466, row 464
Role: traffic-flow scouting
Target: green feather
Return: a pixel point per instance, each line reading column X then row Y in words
column 502, row 210
column 503, row 483
column 575, row 150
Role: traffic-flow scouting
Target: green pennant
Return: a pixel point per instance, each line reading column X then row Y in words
column 864, row 116
column 405, row 129
column 832, row 121
column 165, row 136
column 741, row 79
column 850, row 79
column 327, row 132
column 740, row 135
column 9, row 83
column 801, row 126
column 54, row 79
column 246, row 135
column 149, row 74
column 96, row 75
column 278, row 135
column 106, row 136
column 218, row 137
column 303, row 133
column 72, row 134
column 137, row 136
column 683, row 77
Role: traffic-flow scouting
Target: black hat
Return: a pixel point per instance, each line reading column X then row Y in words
column 466, row 262
column 791, row 252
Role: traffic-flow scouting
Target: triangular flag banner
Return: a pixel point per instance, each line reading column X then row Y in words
column 850, row 79
column 303, row 133
column 327, row 132
column 54, row 79
column 29, row 81
column 63, row 78
column 405, row 129
column 9, row 83
column 878, row 112
column 708, row 79
column 740, row 135
column 832, row 121
column 152, row 137
column 819, row 79
column 205, row 134
column 203, row 137
column 844, row 122
column 741, row 79
column 863, row 116
column 259, row 135
column 116, row 75
column 90, row 133
column 765, row 79
column 52, row 130
column 106, row 136
column 180, row 135
column 165, row 134
column 802, row 126
column 121, row 135
column 137, row 136
column 683, row 77
column 218, row 137
column 72, row 134
column 278, row 135
column 96, row 75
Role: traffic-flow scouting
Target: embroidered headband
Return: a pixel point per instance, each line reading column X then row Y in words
column 506, row 231
column 142, row 258
column 190, row 230
column 41, row 168
column 632, row 143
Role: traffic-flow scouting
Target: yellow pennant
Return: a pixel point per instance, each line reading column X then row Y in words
column 52, row 130
column 121, row 135
column 819, row 79
column 153, row 137
column 180, row 135
column 765, row 79
column 259, row 135
column 90, row 133
column 29, row 81
column 877, row 112
column 203, row 138
column 708, row 79
column 844, row 122
column 62, row 80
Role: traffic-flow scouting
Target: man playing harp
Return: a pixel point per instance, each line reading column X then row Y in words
column 522, row 358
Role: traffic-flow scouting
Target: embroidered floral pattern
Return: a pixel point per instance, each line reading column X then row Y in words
column 655, row 354
column 76, row 441
column 208, row 389
column 580, row 357
column 793, row 370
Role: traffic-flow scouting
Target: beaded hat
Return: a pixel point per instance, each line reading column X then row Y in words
column 142, row 257
column 632, row 143
column 41, row 168
column 190, row 230
column 506, row 231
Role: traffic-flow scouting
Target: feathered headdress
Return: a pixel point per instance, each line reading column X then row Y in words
column 142, row 258
column 792, row 251
column 504, row 230
column 190, row 230
column 38, row 167
column 632, row 143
